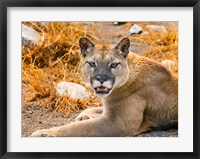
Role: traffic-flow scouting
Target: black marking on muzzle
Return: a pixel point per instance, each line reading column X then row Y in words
column 101, row 78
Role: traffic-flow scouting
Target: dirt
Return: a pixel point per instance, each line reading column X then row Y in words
column 113, row 34
column 36, row 117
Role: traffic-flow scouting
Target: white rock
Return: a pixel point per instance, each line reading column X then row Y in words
column 168, row 63
column 73, row 90
column 156, row 28
column 135, row 29
column 115, row 23
column 29, row 34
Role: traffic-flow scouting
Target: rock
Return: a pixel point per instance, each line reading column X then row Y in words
column 73, row 90
column 118, row 23
column 168, row 63
column 135, row 29
column 160, row 133
column 145, row 33
column 156, row 28
column 29, row 35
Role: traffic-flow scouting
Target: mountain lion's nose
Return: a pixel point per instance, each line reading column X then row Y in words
column 101, row 79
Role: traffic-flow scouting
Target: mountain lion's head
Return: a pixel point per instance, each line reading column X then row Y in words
column 104, row 66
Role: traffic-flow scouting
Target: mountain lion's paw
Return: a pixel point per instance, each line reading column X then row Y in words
column 42, row 133
column 82, row 117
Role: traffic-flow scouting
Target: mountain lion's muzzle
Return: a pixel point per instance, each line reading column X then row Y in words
column 102, row 84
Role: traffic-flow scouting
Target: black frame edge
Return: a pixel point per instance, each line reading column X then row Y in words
column 101, row 3
column 196, row 77
column 3, row 82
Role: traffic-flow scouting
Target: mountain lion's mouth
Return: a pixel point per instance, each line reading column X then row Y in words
column 102, row 90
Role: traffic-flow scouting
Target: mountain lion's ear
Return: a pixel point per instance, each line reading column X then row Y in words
column 123, row 47
column 86, row 45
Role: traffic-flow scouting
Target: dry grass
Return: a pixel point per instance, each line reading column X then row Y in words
column 56, row 58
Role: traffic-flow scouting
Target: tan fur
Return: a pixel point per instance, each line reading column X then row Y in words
column 145, row 97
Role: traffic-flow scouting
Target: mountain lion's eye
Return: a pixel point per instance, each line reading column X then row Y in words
column 114, row 65
column 92, row 64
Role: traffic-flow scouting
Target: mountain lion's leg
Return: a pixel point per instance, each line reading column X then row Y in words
column 90, row 114
column 121, row 121
column 138, row 115
column 93, row 127
column 145, row 126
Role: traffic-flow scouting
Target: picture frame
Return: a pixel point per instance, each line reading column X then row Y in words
column 4, row 5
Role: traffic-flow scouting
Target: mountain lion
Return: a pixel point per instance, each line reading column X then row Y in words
column 138, row 94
